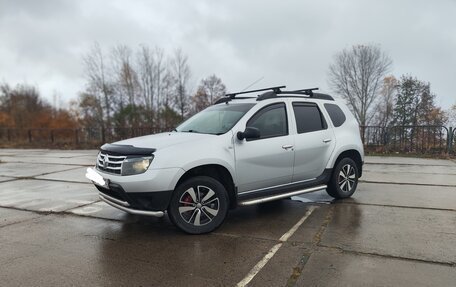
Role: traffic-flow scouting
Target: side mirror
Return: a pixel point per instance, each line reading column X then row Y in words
column 249, row 133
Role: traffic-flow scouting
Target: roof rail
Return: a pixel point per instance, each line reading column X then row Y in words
column 275, row 92
column 296, row 93
column 275, row 89
column 307, row 91
column 230, row 96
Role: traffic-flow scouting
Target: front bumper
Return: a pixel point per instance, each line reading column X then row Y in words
column 150, row 181
column 136, row 194
column 124, row 206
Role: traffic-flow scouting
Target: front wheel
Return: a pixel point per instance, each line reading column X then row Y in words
column 198, row 205
column 344, row 179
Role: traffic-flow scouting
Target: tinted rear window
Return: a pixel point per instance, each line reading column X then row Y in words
column 308, row 118
column 336, row 114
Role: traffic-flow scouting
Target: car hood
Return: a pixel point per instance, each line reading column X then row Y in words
column 164, row 140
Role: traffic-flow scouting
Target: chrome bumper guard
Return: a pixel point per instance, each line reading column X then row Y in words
column 124, row 206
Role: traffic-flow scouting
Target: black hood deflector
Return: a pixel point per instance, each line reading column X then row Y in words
column 117, row 149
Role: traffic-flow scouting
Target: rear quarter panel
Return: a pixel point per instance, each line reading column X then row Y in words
column 347, row 136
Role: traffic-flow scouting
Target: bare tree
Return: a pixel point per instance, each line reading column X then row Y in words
column 126, row 76
column 181, row 74
column 161, row 75
column 213, row 87
column 384, row 108
column 98, row 83
column 209, row 90
column 127, row 84
column 151, row 71
column 146, row 75
column 357, row 75
column 200, row 101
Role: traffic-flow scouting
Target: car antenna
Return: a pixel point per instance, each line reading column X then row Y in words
column 254, row 82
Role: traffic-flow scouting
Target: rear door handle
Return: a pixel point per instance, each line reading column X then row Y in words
column 327, row 140
column 287, row 146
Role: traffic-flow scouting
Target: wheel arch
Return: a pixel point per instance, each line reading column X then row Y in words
column 217, row 172
column 355, row 155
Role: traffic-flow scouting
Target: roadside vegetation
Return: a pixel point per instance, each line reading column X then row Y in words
column 151, row 90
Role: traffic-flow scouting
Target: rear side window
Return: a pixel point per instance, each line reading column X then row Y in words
column 336, row 114
column 308, row 118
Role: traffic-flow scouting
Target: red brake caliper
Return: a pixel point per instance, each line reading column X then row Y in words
column 188, row 200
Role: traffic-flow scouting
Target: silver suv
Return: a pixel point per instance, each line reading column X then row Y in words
column 242, row 150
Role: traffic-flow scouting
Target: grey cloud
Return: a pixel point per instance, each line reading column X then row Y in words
column 287, row 42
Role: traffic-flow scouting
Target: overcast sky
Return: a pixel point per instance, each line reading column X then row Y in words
column 286, row 42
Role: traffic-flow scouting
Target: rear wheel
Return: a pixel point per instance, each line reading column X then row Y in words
column 344, row 179
column 198, row 205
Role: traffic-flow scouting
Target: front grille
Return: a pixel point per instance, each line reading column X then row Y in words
column 110, row 163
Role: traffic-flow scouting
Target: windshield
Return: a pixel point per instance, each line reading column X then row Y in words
column 216, row 119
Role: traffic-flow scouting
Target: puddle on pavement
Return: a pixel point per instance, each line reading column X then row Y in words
column 314, row 197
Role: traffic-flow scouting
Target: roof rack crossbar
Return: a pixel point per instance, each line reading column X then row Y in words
column 306, row 91
column 275, row 89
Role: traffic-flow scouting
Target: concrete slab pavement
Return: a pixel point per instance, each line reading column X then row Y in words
column 328, row 267
column 12, row 169
column 40, row 195
column 394, row 231
column 419, row 234
column 72, row 175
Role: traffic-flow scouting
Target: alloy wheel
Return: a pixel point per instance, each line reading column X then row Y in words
column 347, row 178
column 199, row 205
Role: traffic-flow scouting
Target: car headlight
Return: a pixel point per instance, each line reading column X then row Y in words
column 136, row 165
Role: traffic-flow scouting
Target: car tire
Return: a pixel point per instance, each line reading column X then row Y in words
column 344, row 179
column 199, row 205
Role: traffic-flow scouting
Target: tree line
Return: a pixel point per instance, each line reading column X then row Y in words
column 124, row 89
column 146, row 87
column 360, row 75
column 129, row 88
column 23, row 107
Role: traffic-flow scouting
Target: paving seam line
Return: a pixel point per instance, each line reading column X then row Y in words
column 398, row 206
column 407, row 183
column 59, row 180
column 79, row 206
column 41, row 174
column 297, row 270
column 21, row 221
column 450, row 264
column 9, row 180
column 365, row 170
column 49, row 163
column 62, row 213
column 418, row 164
column 259, row 266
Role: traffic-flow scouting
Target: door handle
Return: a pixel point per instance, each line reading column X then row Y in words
column 287, row 146
column 327, row 140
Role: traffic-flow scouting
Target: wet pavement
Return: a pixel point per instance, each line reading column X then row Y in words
column 399, row 229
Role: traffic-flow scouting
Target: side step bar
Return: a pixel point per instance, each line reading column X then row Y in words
column 280, row 196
